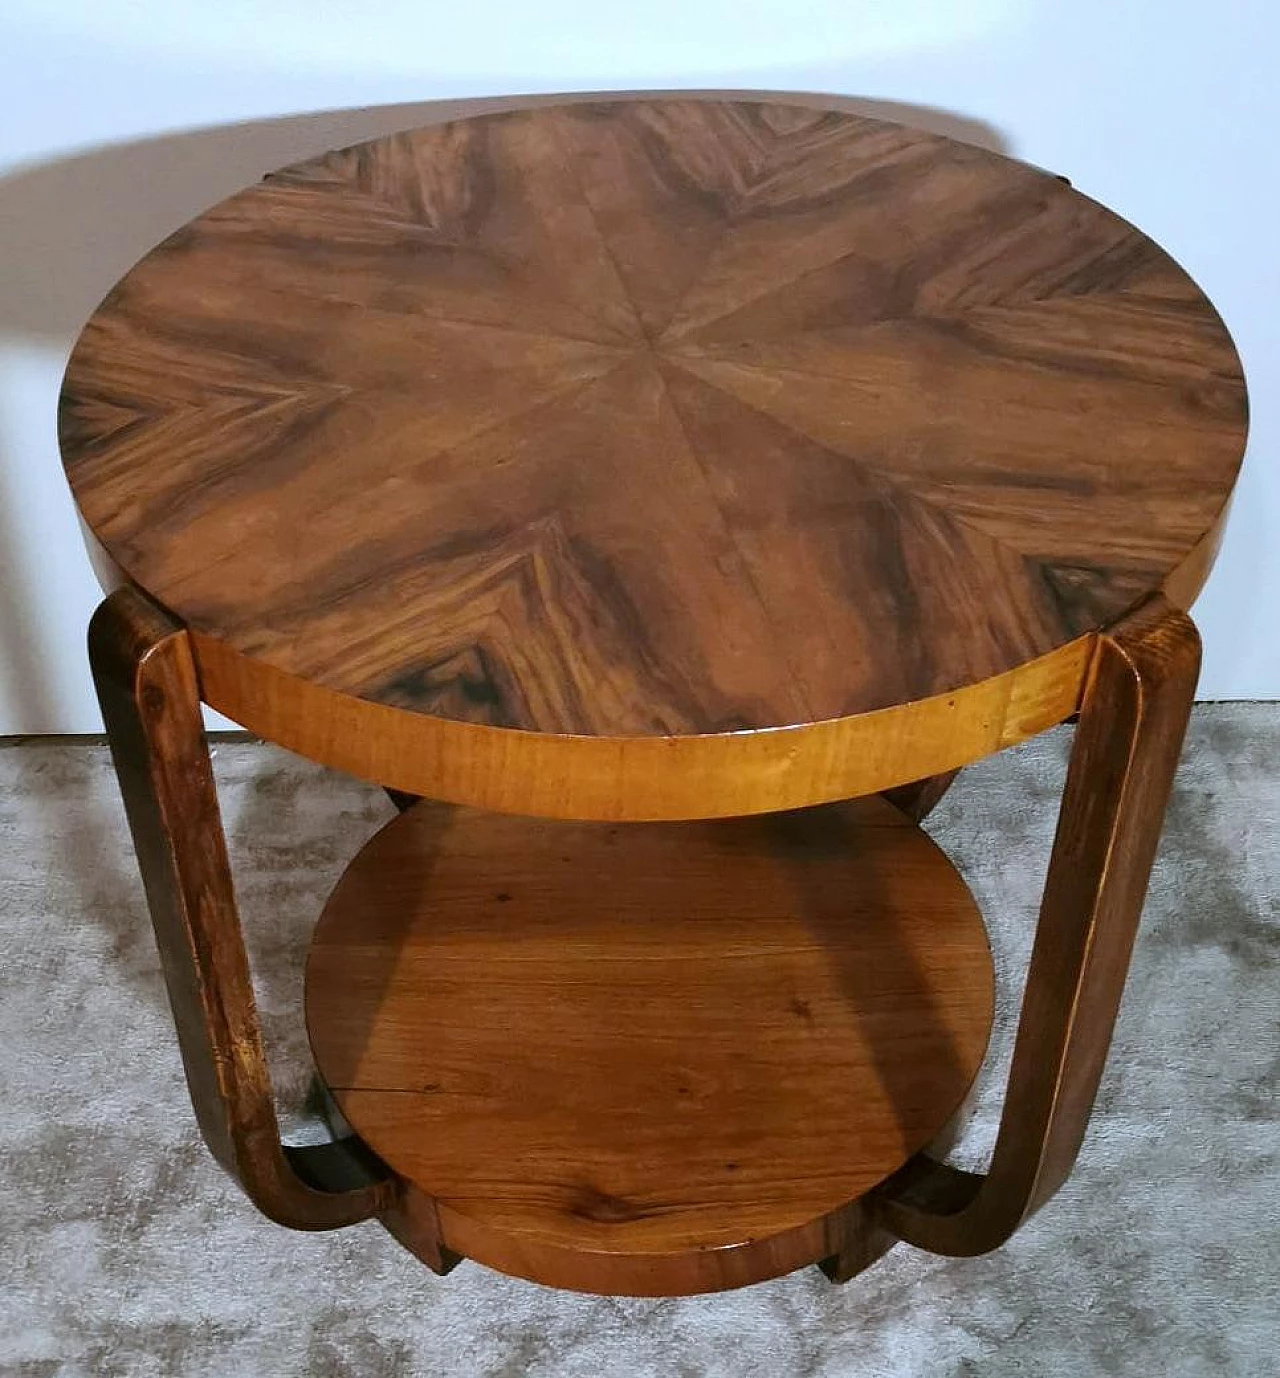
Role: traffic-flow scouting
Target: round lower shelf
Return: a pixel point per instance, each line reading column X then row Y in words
column 648, row 1058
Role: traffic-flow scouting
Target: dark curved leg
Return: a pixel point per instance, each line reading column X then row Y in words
column 147, row 686
column 864, row 1241
column 1127, row 743
column 919, row 799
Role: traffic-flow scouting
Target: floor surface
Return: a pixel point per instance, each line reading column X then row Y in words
column 126, row 1251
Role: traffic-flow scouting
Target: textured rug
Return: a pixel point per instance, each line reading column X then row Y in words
column 126, row 1251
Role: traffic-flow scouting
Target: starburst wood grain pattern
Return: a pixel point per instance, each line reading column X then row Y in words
column 535, row 460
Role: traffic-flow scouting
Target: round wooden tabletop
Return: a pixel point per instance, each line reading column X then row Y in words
column 541, row 460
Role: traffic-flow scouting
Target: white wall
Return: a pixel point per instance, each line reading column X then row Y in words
column 1165, row 110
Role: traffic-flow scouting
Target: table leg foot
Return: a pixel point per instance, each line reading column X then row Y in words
column 919, row 799
column 866, row 1242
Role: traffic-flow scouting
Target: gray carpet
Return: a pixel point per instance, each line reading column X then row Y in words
column 125, row 1251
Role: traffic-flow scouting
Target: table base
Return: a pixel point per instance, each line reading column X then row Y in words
column 1134, row 701
column 647, row 1058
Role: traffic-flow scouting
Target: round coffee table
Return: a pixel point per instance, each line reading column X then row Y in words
column 662, row 499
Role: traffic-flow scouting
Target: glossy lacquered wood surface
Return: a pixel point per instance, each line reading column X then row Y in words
column 146, row 684
column 1123, row 759
column 648, row 1058
column 493, row 459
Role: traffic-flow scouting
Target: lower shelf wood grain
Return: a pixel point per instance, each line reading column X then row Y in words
column 651, row 1058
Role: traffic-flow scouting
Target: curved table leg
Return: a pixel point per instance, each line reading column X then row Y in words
column 1132, row 722
column 1131, row 726
column 147, row 686
column 919, row 799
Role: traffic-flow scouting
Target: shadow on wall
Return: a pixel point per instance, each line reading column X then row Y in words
column 70, row 228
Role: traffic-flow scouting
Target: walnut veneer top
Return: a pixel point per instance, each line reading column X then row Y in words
column 652, row 418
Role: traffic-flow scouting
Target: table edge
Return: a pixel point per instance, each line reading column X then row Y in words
column 654, row 778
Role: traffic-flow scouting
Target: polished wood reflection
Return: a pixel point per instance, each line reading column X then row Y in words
column 647, row 1058
column 648, row 419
